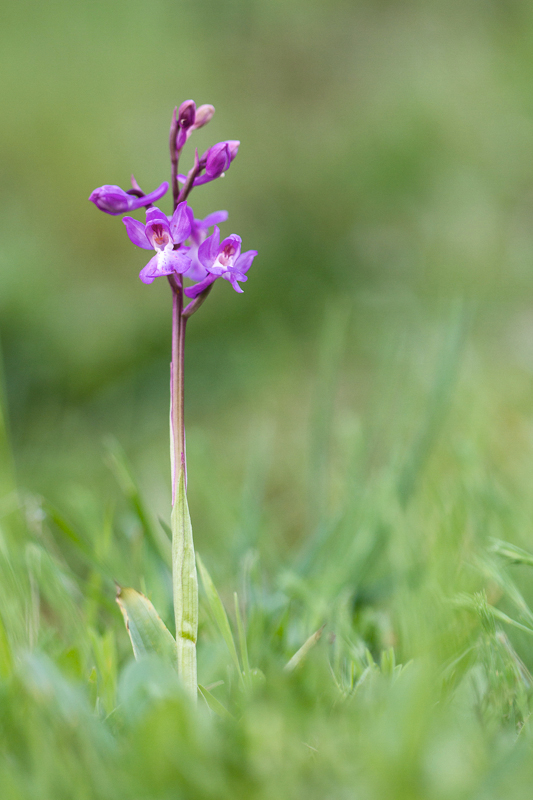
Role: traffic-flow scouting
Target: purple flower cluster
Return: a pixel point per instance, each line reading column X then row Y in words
column 182, row 244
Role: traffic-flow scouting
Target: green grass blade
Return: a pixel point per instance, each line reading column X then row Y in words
column 300, row 654
column 214, row 704
column 511, row 552
column 121, row 469
column 243, row 646
column 148, row 632
column 219, row 612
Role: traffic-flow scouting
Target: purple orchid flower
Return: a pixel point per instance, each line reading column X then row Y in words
column 165, row 236
column 222, row 260
column 114, row 200
column 199, row 229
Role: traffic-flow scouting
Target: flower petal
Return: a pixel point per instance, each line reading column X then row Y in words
column 157, row 229
column 244, row 261
column 173, row 261
column 208, row 250
column 155, row 214
column 204, row 179
column 229, row 276
column 181, row 223
column 196, row 271
column 194, row 291
column 212, row 219
column 136, row 232
column 149, row 272
column 234, row 242
column 139, row 202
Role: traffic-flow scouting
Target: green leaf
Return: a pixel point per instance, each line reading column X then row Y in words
column 300, row 654
column 243, row 646
column 148, row 632
column 185, row 588
column 214, row 704
column 219, row 612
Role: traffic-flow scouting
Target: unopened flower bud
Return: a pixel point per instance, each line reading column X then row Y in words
column 218, row 160
column 187, row 114
column 204, row 114
column 114, row 200
column 233, row 145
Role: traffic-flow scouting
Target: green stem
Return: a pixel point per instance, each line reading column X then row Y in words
column 184, row 578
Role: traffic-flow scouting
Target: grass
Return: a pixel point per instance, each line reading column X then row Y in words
column 412, row 562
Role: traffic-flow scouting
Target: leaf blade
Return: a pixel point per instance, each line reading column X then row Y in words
column 147, row 631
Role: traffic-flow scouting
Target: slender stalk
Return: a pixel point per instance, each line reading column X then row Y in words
column 184, row 578
column 192, row 174
column 177, row 421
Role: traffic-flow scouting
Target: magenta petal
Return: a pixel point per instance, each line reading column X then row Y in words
column 136, row 232
column 213, row 219
column 156, row 215
column 244, row 262
column 196, row 272
column 139, row 202
column 181, row 223
column 149, row 272
column 204, row 179
column 170, row 261
column 208, row 250
column 233, row 280
column 234, row 241
column 194, row 291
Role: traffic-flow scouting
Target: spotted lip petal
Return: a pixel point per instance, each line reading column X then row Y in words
column 165, row 262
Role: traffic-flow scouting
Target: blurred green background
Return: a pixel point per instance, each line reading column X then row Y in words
column 358, row 421
column 385, row 169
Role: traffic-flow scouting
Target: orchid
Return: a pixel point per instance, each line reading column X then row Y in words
column 222, row 260
column 183, row 249
column 164, row 236
column 114, row 200
column 199, row 229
